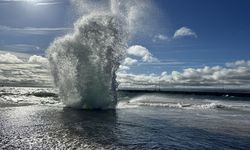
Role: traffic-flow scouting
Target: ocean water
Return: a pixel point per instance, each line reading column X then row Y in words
column 34, row 118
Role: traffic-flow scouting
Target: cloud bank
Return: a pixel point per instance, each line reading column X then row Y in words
column 34, row 72
column 21, row 72
column 234, row 73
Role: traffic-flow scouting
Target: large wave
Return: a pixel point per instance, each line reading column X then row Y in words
column 84, row 63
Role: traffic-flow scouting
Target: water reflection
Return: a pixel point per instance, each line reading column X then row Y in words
column 98, row 127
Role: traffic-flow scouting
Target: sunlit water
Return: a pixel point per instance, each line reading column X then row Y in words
column 34, row 118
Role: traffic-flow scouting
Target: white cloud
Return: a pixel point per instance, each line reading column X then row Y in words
column 238, row 63
column 35, row 59
column 142, row 52
column 149, row 58
column 160, row 37
column 139, row 55
column 121, row 67
column 183, row 32
column 24, row 75
column 138, row 50
column 9, row 58
column 235, row 73
column 130, row 61
column 18, row 72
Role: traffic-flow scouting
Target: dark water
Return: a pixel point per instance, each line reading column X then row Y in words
column 45, row 127
column 147, row 121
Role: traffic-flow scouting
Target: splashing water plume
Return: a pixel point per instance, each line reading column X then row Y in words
column 84, row 63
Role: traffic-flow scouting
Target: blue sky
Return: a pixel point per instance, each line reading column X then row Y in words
column 216, row 31
column 25, row 14
column 222, row 28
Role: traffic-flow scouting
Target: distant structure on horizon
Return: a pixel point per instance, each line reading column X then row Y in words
column 199, row 90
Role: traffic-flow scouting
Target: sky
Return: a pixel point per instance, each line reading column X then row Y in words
column 179, row 42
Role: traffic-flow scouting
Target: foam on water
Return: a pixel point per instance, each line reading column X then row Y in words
column 183, row 102
column 22, row 96
column 84, row 63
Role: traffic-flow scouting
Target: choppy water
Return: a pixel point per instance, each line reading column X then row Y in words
column 34, row 118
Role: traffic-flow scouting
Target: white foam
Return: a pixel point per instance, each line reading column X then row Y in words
column 149, row 100
column 125, row 105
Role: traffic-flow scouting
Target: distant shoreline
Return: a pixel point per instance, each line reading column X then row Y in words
column 240, row 92
column 195, row 91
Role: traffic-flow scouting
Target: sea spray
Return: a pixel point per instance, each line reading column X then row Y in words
column 84, row 62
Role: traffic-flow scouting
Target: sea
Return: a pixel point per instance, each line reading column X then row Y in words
column 35, row 118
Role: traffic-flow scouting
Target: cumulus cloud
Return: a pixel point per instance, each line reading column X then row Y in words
column 137, row 54
column 130, row 61
column 184, row 32
column 35, row 59
column 235, row 73
column 9, row 58
column 141, row 52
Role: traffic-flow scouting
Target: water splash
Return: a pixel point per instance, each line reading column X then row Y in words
column 84, row 63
